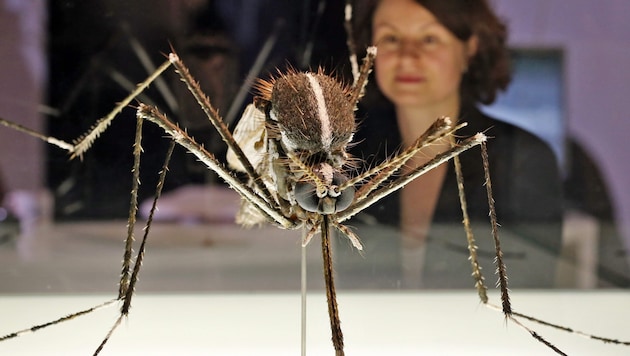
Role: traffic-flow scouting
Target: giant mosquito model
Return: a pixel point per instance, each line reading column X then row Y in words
column 291, row 144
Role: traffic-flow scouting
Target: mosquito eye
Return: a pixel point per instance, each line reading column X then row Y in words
column 333, row 201
column 306, row 196
column 345, row 199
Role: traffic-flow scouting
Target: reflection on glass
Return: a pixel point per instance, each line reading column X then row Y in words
column 207, row 252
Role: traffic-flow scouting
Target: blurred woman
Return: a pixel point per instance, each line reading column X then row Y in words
column 444, row 58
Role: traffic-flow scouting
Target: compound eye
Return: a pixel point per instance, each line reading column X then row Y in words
column 306, row 196
column 345, row 199
column 335, row 201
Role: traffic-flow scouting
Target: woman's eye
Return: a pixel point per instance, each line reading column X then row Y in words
column 387, row 40
column 387, row 43
column 429, row 39
column 390, row 39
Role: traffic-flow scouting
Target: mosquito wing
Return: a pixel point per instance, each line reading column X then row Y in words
column 251, row 136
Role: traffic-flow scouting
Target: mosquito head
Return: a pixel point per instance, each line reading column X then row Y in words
column 311, row 115
column 320, row 193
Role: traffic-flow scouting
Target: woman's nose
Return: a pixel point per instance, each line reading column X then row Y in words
column 409, row 48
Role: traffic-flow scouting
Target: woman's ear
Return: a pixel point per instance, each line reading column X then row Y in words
column 470, row 50
column 472, row 45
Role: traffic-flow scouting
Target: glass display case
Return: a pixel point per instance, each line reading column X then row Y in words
column 210, row 286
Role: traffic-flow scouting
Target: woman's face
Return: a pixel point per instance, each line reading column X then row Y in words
column 419, row 62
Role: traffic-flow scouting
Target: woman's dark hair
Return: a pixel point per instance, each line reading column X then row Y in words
column 488, row 70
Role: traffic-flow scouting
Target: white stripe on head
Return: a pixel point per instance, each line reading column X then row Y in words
column 322, row 112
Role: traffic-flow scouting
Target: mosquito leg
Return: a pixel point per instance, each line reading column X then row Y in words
column 506, row 307
column 218, row 123
column 125, row 287
column 570, row 330
column 352, row 46
column 441, row 128
column 354, row 239
column 308, row 236
column 108, row 336
column 401, row 181
column 53, row 141
column 358, row 89
column 211, row 162
column 359, row 75
column 133, row 279
column 140, row 257
column 331, row 294
column 542, row 340
column 128, row 85
column 125, row 273
column 57, row 321
column 84, row 142
column 501, row 268
column 482, row 290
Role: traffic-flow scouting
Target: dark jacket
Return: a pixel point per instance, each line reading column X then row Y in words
column 524, row 173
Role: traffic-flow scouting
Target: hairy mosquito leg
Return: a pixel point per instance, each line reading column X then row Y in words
column 182, row 138
column 354, row 239
column 441, row 128
column 57, row 321
column 109, row 335
column 147, row 229
column 482, row 290
column 358, row 88
column 125, row 273
column 306, row 239
column 501, row 268
column 125, row 288
column 331, row 294
column 85, row 142
column 217, row 122
column 570, row 330
column 129, row 292
column 401, row 181
column 506, row 306
column 53, row 141
column 352, row 47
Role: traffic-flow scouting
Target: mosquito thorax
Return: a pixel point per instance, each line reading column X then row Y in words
column 313, row 112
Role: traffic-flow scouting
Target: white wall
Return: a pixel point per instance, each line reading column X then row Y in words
column 595, row 37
